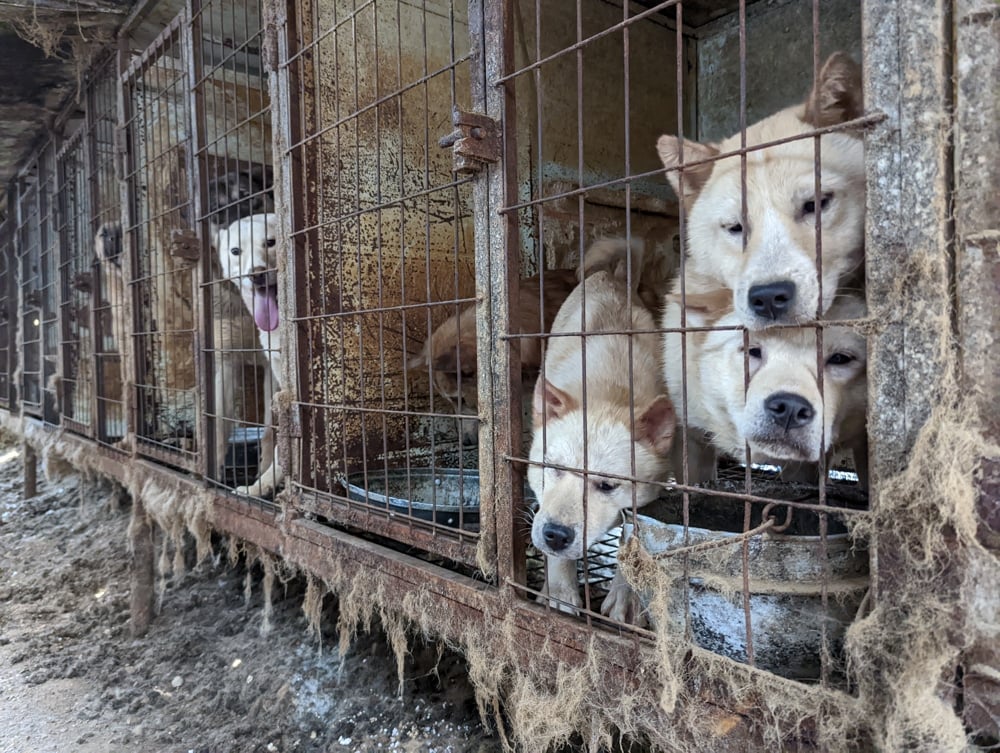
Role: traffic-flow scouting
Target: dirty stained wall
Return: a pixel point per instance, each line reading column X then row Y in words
column 588, row 120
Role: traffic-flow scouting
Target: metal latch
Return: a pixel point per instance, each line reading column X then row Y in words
column 185, row 244
column 475, row 141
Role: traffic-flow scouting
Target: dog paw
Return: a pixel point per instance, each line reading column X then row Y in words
column 622, row 603
column 564, row 599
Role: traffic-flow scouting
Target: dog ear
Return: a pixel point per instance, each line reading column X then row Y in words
column 695, row 177
column 417, row 362
column 655, row 427
column 550, row 402
column 450, row 360
column 837, row 94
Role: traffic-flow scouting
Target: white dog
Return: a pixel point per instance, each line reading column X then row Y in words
column 781, row 413
column 249, row 260
column 774, row 278
column 583, row 427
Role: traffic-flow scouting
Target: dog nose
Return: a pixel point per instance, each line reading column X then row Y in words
column 789, row 410
column 772, row 300
column 557, row 537
column 258, row 276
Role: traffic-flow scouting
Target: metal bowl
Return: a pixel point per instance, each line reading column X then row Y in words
column 447, row 496
column 786, row 584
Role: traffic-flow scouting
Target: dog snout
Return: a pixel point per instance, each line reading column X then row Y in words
column 258, row 276
column 557, row 537
column 788, row 410
column 772, row 300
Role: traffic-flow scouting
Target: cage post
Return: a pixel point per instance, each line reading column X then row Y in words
column 142, row 569
column 977, row 276
column 497, row 274
column 30, row 472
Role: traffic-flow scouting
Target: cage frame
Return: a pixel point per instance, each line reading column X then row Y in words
column 907, row 353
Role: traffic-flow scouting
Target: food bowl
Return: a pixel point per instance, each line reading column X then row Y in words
column 786, row 575
column 446, row 496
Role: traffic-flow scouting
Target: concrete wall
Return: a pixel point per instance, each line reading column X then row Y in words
column 779, row 59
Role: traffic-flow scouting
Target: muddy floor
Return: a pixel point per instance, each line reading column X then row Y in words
column 204, row 679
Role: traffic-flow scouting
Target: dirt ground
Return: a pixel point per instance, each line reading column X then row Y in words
column 204, row 679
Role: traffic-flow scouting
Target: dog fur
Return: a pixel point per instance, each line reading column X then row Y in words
column 238, row 194
column 450, row 351
column 248, row 257
column 108, row 254
column 781, row 206
column 780, row 362
column 575, row 510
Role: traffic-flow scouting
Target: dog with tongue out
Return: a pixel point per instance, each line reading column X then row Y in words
column 248, row 255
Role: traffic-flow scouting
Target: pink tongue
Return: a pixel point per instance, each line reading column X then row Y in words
column 265, row 310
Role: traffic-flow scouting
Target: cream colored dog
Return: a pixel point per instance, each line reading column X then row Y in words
column 583, row 425
column 248, row 256
column 781, row 413
column 774, row 279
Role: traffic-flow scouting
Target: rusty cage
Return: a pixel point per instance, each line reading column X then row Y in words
column 318, row 266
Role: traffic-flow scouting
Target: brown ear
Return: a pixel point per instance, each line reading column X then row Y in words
column 655, row 427
column 461, row 357
column 837, row 95
column 417, row 362
column 550, row 402
column 695, row 177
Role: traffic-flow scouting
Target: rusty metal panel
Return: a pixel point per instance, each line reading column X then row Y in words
column 384, row 248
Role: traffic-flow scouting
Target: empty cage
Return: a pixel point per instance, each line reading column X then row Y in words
column 162, row 247
column 30, row 298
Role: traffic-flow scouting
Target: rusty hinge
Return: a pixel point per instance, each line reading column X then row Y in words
column 185, row 244
column 475, row 142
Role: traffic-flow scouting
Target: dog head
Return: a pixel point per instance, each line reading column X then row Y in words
column 240, row 193
column 574, row 510
column 108, row 243
column 774, row 278
column 450, row 352
column 248, row 255
column 781, row 412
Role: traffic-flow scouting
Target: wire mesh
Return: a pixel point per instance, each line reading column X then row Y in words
column 587, row 168
column 30, row 283
column 383, row 255
column 242, row 350
column 105, row 249
column 157, row 124
column 76, row 382
column 8, row 310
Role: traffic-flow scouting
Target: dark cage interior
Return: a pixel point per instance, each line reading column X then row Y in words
column 583, row 328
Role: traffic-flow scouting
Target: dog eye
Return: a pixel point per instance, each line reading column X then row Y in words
column 605, row 487
column 735, row 229
column 270, row 242
column 839, row 359
column 235, row 251
column 809, row 207
column 754, row 352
